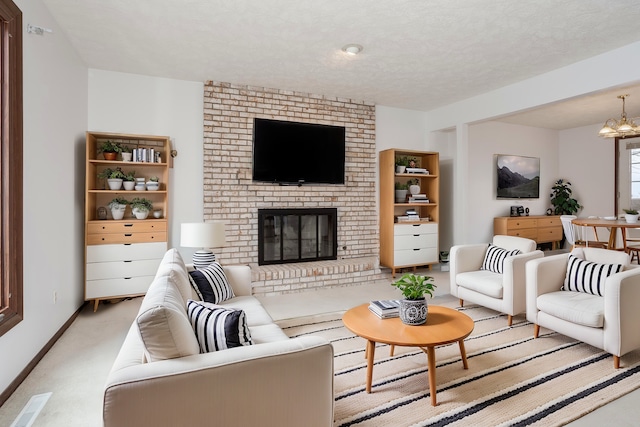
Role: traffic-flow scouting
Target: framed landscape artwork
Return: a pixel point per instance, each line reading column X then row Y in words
column 518, row 177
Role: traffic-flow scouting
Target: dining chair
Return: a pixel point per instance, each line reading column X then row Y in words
column 579, row 235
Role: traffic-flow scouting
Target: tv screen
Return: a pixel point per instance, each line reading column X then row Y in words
column 292, row 152
column 518, row 177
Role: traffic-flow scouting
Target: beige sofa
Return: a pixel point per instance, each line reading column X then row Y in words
column 160, row 379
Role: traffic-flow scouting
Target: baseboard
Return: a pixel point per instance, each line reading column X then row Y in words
column 6, row 394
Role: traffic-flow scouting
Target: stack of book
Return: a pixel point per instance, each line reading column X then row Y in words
column 385, row 309
column 412, row 215
column 418, row 198
column 418, row 170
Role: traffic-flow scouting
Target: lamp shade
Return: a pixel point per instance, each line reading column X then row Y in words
column 202, row 234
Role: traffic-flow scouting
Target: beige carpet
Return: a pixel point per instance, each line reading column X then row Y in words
column 512, row 378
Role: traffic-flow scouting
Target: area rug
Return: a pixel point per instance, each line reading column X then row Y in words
column 512, row 380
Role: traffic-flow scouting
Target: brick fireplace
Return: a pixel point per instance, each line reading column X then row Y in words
column 230, row 194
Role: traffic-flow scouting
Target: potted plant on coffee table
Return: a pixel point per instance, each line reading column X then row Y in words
column 414, row 287
column 118, row 206
column 141, row 207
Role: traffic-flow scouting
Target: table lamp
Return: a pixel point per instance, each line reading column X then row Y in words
column 203, row 235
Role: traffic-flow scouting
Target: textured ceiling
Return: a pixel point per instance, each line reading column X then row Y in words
column 418, row 54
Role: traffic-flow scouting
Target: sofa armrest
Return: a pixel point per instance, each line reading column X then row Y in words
column 287, row 382
column 622, row 312
column 464, row 258
column 514, row 281
column 543, row 275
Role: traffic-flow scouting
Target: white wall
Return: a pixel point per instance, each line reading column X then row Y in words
column 129, row 103
column 55, row 117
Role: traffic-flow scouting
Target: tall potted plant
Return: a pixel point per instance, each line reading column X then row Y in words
column 414, row 287
column 563, row 203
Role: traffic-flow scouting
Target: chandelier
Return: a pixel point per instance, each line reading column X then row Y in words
column 620, row 128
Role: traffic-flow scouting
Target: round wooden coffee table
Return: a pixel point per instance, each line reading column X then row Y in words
column 444, row 326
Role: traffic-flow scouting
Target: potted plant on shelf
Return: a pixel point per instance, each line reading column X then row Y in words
column 153, row 184
column 414, row 186
column 414, row 287
column 127, row 154
column 631, row 215
column 114, row 177
column 401, row 164
column 141, row 207
column 118, row 206
column 129, row 182
column 401, row 192
column 110, row 149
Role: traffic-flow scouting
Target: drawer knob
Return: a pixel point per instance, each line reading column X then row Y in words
column 128, row 235
column 127, row 260
column 128, row 225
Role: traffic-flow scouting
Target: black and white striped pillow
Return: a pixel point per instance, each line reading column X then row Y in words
column 495, row 256
column 218, row 328
column 211, row 284
column 588, row 277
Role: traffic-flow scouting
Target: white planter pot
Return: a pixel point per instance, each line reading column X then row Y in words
column 127, row 157
column 129, row 185
column 140, row 187
column 140, row 214
column 153, row 186
column 414, row 189
column 401, row 196
column 401, row 169
column 631, row 219
column 114, row 183
column 118, row 213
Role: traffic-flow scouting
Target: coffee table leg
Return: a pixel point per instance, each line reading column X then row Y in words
column 463, row 354
column 431, row 360
column 371, row 349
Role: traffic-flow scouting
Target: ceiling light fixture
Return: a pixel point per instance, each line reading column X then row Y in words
column 352, row 49
column 620, row 128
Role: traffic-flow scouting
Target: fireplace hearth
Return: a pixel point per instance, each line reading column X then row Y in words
column 297, row 235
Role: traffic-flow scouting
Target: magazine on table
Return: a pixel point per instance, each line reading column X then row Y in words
column 385, row 308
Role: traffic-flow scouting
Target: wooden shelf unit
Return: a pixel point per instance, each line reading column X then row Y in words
column 122, row 256
column 409, row 244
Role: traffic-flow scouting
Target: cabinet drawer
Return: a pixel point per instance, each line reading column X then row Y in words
column 527, row 233
column 404, row 229
column 549, row 234
column 516, row 224
column 552, row 221
column 415, row 241
column 122, row 269
column 126, row 226
column 415, row 256
column 117, row 287
column 102, row 239
column 126, row 252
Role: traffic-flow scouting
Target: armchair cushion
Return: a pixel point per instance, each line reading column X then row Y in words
column 483, row 281
column 218, row 328
column 575, row 307
column 494, row 258
column 588, row 277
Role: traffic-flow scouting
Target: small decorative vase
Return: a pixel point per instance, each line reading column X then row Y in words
column 118, row 213
column 140, row 187
column 631, row 219
column 153, row 186
column 414, row 189
column 129, row 185
column 127, row 157
column 114, row 183
column 157, row 214
column 110, row 156
column 140, row 214
column 401, row 169
column 413, row 312
column 401, row 196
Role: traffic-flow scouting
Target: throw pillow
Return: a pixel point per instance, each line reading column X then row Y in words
column 588, row 277
column 211, row 284
column 218, row 328
column 495, row 256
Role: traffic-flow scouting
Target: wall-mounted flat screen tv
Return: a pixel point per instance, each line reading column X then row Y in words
column 518, row 177
column 298, row 153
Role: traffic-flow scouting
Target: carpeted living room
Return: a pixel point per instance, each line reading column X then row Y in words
column 454, row 89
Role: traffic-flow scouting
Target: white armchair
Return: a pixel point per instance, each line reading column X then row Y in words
column 608, row 322
column 501, row 292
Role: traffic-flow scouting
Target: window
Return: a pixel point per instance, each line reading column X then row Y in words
column 10, row 165
column 634, row 170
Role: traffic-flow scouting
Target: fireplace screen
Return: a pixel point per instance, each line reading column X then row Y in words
column 296, row 235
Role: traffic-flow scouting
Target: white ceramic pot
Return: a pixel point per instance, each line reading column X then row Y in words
column 631, row 219
column 401, row 196
column 401, row 169
column 127, row 157
column 118, row 213
column 157, row 214
column 114, row 183
column 140, row 187
column 129, row 185
column 140, row 214
column 153, row 186
column 414, row 189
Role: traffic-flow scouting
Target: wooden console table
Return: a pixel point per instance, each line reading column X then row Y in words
column 541, row 228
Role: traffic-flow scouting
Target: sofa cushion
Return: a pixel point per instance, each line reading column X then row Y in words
column 163, row 323
column 211, row 284
column 495, row 256
column 255, row 312
column 218, row 328
column 586, row 276
column 482, row 281
column 173, row 265
column 267, row 333
column 575, row 307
